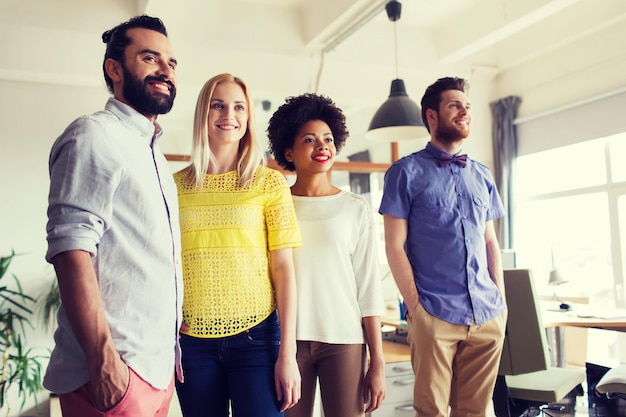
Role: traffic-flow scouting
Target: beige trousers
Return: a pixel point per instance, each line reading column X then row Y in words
column 455, row 365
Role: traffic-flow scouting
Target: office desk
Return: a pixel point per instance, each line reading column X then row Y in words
column 393, row 322
column 396, row 352
column 583, row 316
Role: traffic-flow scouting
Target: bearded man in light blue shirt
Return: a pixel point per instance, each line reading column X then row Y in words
column 114, row 239
column 438, row 208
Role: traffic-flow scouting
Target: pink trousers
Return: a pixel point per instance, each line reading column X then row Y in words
column 140, row 400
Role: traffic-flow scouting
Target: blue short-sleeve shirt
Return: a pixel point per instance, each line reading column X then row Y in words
column 447, row 208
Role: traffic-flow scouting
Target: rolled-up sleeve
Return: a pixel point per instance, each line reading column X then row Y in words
column 83, row 179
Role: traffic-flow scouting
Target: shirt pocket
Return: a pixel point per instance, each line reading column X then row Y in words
column 437, row 209
column 480, row 206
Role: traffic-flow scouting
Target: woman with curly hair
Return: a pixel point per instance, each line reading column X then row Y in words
column 339, row 294
column 239, row 229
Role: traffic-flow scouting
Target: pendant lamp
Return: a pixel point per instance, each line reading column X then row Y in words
column 399, row 117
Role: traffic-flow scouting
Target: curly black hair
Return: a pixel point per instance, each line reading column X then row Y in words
column 287, row 120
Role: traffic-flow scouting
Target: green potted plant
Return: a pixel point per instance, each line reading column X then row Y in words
column 20, row 366
column 49, row 303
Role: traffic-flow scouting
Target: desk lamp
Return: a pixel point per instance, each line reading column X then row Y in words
column 555, row 279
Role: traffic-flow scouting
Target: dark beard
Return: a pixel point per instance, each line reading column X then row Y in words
column 449, row 134
column 139, row 97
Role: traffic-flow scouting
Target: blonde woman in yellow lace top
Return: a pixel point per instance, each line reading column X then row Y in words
column 238, row 229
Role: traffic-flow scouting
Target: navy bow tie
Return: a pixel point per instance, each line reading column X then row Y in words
column 445, row 159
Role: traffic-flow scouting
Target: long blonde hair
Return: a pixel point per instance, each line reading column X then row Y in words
column 250, row 154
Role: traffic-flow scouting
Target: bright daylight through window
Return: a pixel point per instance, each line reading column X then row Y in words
column 571, row 203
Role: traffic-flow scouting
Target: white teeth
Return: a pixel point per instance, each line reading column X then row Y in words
column 161, row 86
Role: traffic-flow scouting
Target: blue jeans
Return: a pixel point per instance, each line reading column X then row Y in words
column 238, row 368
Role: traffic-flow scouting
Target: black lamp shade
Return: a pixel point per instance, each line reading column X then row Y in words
column 398, row 118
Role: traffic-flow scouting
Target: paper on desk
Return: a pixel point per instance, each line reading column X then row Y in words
column 601, row 313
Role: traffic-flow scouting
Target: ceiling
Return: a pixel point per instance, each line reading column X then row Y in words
column 340, row 48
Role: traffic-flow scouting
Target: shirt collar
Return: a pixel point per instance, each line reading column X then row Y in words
column 134, row 119
column 436, row 152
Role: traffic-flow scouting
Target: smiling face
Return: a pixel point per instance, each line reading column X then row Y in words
column 313, row 149
column 228, row 114
column 452, row 121
column 146, row 78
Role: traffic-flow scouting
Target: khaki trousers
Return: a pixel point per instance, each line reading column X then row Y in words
column 455, row 365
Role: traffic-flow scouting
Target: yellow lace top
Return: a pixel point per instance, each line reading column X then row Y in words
column 226, row 235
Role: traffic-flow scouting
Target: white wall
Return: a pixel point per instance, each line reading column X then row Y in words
column 570, row 74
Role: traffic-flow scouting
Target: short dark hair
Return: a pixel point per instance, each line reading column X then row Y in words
column 287, row 120
column 117, row 40
column 432, row 96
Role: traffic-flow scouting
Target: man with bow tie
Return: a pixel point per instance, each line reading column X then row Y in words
column 438, row 208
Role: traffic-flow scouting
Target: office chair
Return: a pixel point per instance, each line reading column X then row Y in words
column 527, row 382
column 613, row 383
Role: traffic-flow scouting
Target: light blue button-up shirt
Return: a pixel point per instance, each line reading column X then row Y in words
column 112, row 194
column 446, row 209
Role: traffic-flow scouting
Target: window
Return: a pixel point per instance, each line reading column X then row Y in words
column 571, row 206
column 561, row 169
